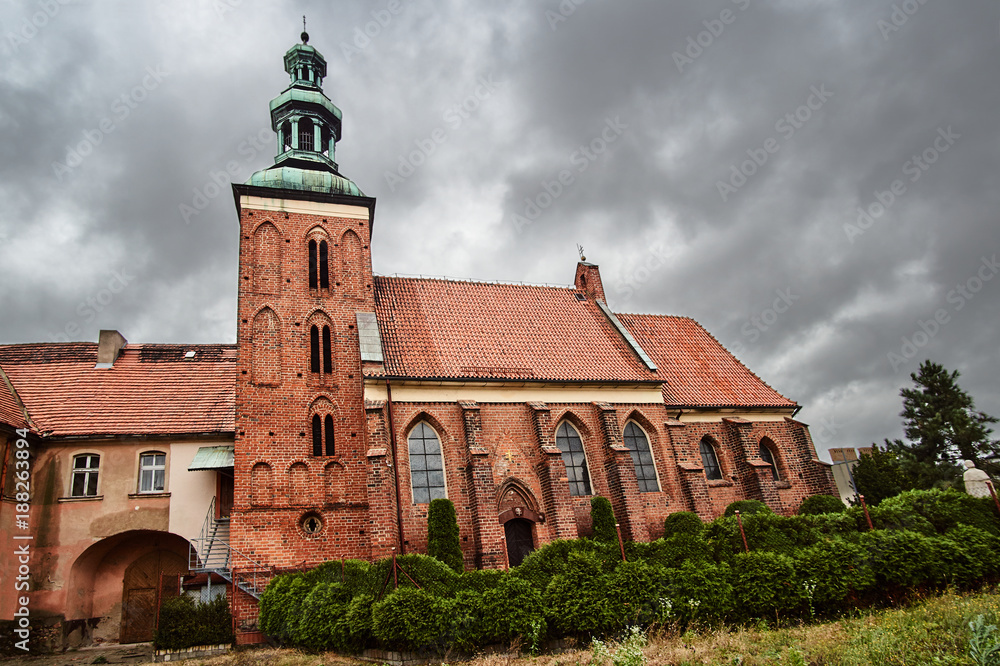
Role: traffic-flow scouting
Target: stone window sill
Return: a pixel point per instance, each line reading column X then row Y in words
column 147, row 495
column 720, row 483
column 782, row 484
column 88, row 498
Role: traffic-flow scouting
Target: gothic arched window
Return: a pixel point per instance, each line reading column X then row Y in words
column 768, row 456
column 569, row 443
column 709, row 460
column 426, row 464
column 642, row 458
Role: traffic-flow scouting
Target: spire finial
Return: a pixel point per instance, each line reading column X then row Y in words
column 305, row 35
column 579, row 249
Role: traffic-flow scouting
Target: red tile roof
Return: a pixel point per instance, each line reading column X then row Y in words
column 10, row 411
column 436, row 328
column 152, row 389
column 698, row 371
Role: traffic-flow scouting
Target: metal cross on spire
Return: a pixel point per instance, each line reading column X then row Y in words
column 305, row 35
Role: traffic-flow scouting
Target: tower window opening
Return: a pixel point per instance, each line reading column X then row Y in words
column 328, row 435
column 327, row 351
column 322, row 435
column 317, row 433
column 305, row 135
column 313, row 282
column 314, row 350
column 324, row 265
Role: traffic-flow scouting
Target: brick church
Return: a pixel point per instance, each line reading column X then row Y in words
column 349, row 401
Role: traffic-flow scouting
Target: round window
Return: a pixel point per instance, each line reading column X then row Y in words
column 311, row 524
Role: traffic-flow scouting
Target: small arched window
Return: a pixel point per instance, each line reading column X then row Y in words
column 426, row 465
column 642, row 458
column 305, row 134
column 569, row 443
column 324, row 265
column 313, row 264
column 323, row 435
column 767, row 456
column 315, row 342
column 709, row 460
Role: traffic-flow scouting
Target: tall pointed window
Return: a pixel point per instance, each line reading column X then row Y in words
column 327, row 351
column 313, row 263
column 426, row 465
column 324, row 265
column 323, row 441
column 709, row 460
column 768, row 456
column 642, row 458
column 314, row 349
column 569, row 443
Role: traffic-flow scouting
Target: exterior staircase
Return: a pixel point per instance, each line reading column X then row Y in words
column 212, row 552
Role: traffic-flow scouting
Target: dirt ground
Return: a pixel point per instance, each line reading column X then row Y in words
column 138, row 653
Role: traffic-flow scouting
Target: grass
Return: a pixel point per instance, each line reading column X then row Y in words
column 932, row 631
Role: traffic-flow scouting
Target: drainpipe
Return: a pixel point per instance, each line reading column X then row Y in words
column 395, row 465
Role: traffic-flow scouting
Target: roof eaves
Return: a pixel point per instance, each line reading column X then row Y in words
column 17, row 399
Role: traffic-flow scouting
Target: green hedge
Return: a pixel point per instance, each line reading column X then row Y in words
column 183, row 623
column 602, row 518
column 817, row 505
column 799, row 566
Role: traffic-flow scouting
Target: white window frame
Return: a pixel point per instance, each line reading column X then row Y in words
column 409, row 456
column 649, row 443
column 86, row 472
column 148, row 470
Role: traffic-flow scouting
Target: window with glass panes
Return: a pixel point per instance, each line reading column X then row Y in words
column 709, row 460
column 426, row 465
column 642, row 458
column 768, row 457
column 152, row 472
column 569, row 443
column 85, row 469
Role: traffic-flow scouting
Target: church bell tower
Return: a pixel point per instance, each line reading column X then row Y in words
column 305, row 283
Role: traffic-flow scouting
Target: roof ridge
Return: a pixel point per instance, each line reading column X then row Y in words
column 445, row 278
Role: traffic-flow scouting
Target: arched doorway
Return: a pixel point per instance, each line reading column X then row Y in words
column 518, row 513
column 520, row 541
column 142, row 578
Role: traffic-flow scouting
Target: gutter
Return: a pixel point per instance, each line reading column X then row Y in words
column 395, row 466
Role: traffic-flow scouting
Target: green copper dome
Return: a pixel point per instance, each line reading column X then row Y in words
column 305, row 180
column 308, row 126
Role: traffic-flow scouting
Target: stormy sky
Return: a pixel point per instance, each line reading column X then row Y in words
column 815, row 182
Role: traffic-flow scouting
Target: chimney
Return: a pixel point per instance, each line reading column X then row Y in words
column 109, row 346
column 588, row 280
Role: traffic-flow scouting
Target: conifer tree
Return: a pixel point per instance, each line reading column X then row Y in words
column 442, row 534
column 602, row 517
column 943, row 428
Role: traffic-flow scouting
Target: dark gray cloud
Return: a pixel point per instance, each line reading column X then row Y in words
column 145, row 105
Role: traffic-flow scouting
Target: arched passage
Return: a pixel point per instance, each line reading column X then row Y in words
column 518, row 513
column 109, row 575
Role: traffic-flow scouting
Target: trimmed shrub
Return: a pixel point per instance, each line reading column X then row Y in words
column 981, row 546
column 934, row 511
column 899, row 558
column 411, row 619
column 682, row 522
column 669, row 552
column 354, row 575
column 817, row 505
column 747, row 508
column 837, row 569
column 696, row 591
column 511, row 611
column 442, row 534
column 542, row 565
column 466, row 632
column 636, row 589
column 431, row 574
column 280, row 605
column 354, row 628
column 321, row 608
column 576, row 600
column 480, row 580
column 602, row 517
column 953, row 563
column 185, row 623
column 765, row 584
